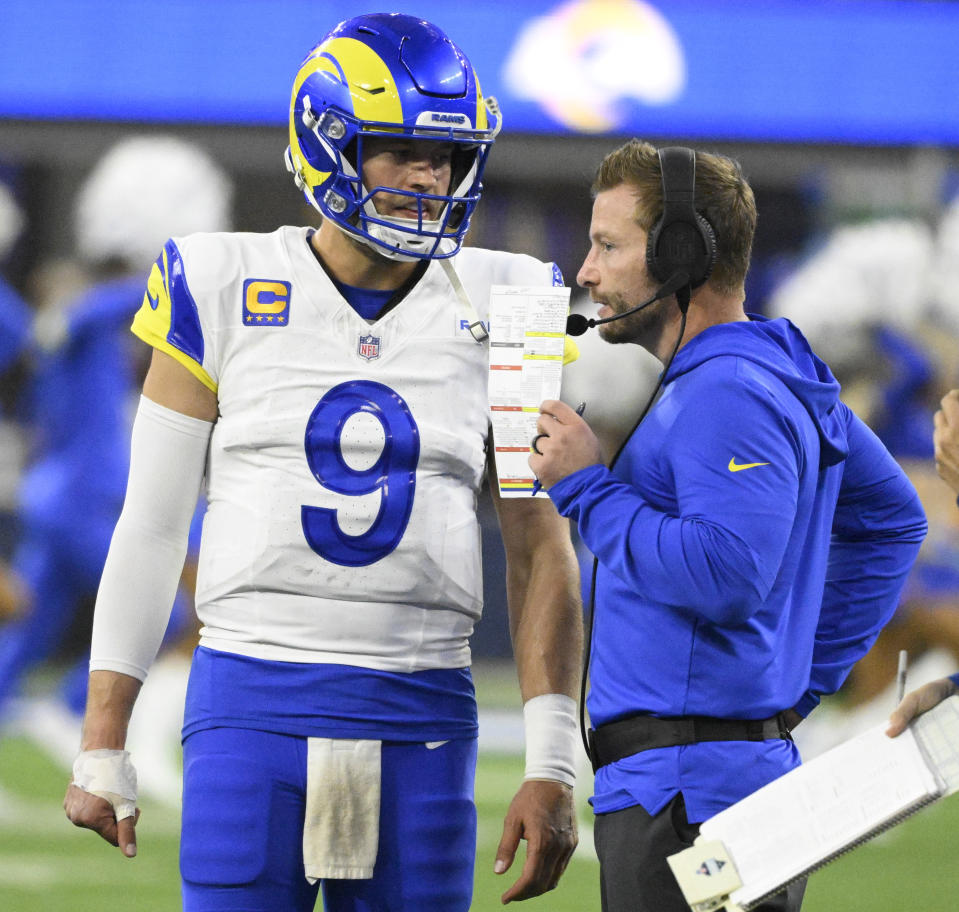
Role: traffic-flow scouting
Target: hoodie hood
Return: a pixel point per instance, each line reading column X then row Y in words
column 780, row 348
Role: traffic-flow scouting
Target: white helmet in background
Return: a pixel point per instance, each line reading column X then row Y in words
column 144, row 190
column 865, row 275
column 945, row 269
column 12, row 221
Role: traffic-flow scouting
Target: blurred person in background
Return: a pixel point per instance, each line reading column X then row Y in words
column 751, row 537
column 86, row 371
column 15, row 314
column 877, row 300
column 16, row 321
column 331, row 384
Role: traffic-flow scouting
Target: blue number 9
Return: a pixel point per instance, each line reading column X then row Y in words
column 393, row 474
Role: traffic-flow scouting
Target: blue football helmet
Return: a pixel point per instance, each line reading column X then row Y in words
column 389, row 74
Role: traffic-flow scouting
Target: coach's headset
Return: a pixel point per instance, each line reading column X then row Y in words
column 680, row 253
column 681, row 247
column 682, row 241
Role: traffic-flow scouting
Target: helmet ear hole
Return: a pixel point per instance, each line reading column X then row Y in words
column 351, row 154
column 456, row 215
column 463, row 161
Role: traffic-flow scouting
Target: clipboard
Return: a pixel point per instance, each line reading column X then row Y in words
column 819, row 811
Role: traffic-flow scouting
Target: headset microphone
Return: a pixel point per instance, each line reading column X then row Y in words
column 577, row 324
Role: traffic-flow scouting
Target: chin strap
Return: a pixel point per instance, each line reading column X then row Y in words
column 477, row 330
column 393, row 241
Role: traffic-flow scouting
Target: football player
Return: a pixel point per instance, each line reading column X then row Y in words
column 330, row 385
column 82, row 389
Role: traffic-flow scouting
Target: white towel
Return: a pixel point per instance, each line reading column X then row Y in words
column 342, row 827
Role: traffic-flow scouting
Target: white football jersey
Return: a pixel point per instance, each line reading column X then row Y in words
column 347, row 458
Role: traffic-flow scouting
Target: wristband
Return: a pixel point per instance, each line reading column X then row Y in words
column 551, row 737
column 108, row 774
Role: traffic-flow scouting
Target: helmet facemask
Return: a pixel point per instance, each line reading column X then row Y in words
column 424, row 236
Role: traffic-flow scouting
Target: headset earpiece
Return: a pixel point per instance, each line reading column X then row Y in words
column 682, row 240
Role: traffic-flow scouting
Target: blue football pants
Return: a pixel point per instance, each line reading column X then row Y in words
column 243, row 810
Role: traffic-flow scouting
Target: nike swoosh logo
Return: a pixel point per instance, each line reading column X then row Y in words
column 733, row 467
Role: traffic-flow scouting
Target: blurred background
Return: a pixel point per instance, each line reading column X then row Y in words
column 122, row 123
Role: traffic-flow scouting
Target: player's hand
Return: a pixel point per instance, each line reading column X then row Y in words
column 919, row 701
column 543, row 814
column 946, row 439
column 94, row 813
column 564, row 443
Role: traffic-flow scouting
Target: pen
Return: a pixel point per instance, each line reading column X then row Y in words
column 901, row 676
column 538, row 485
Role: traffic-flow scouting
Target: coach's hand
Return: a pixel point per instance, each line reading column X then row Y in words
column 94, row 813
column 564, row 443
column 543, row 814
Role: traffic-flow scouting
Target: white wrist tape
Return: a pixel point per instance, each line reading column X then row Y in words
column 108, row 774
column 551, row 737
column 142, row 571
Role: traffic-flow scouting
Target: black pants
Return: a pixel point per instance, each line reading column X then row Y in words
column 634, row 876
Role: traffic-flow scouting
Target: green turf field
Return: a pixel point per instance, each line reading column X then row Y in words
column 46, row 865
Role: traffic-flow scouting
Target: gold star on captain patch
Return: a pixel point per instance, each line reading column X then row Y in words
column 280, row 318
column 269, row 318
column 259, row 318
column 249, row 319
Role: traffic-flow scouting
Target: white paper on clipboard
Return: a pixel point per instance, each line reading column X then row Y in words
column 527, row 333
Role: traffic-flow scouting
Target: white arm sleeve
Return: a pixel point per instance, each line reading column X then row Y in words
column 142, row 571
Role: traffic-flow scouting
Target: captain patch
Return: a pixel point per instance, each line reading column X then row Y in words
column 266, row 302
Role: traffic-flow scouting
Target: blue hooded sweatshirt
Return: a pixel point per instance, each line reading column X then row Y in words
column 753, row 538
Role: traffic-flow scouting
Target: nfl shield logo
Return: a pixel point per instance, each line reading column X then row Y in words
column 369, row 347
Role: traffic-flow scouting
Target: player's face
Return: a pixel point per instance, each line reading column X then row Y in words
column 614, row 270
column 420, row 166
